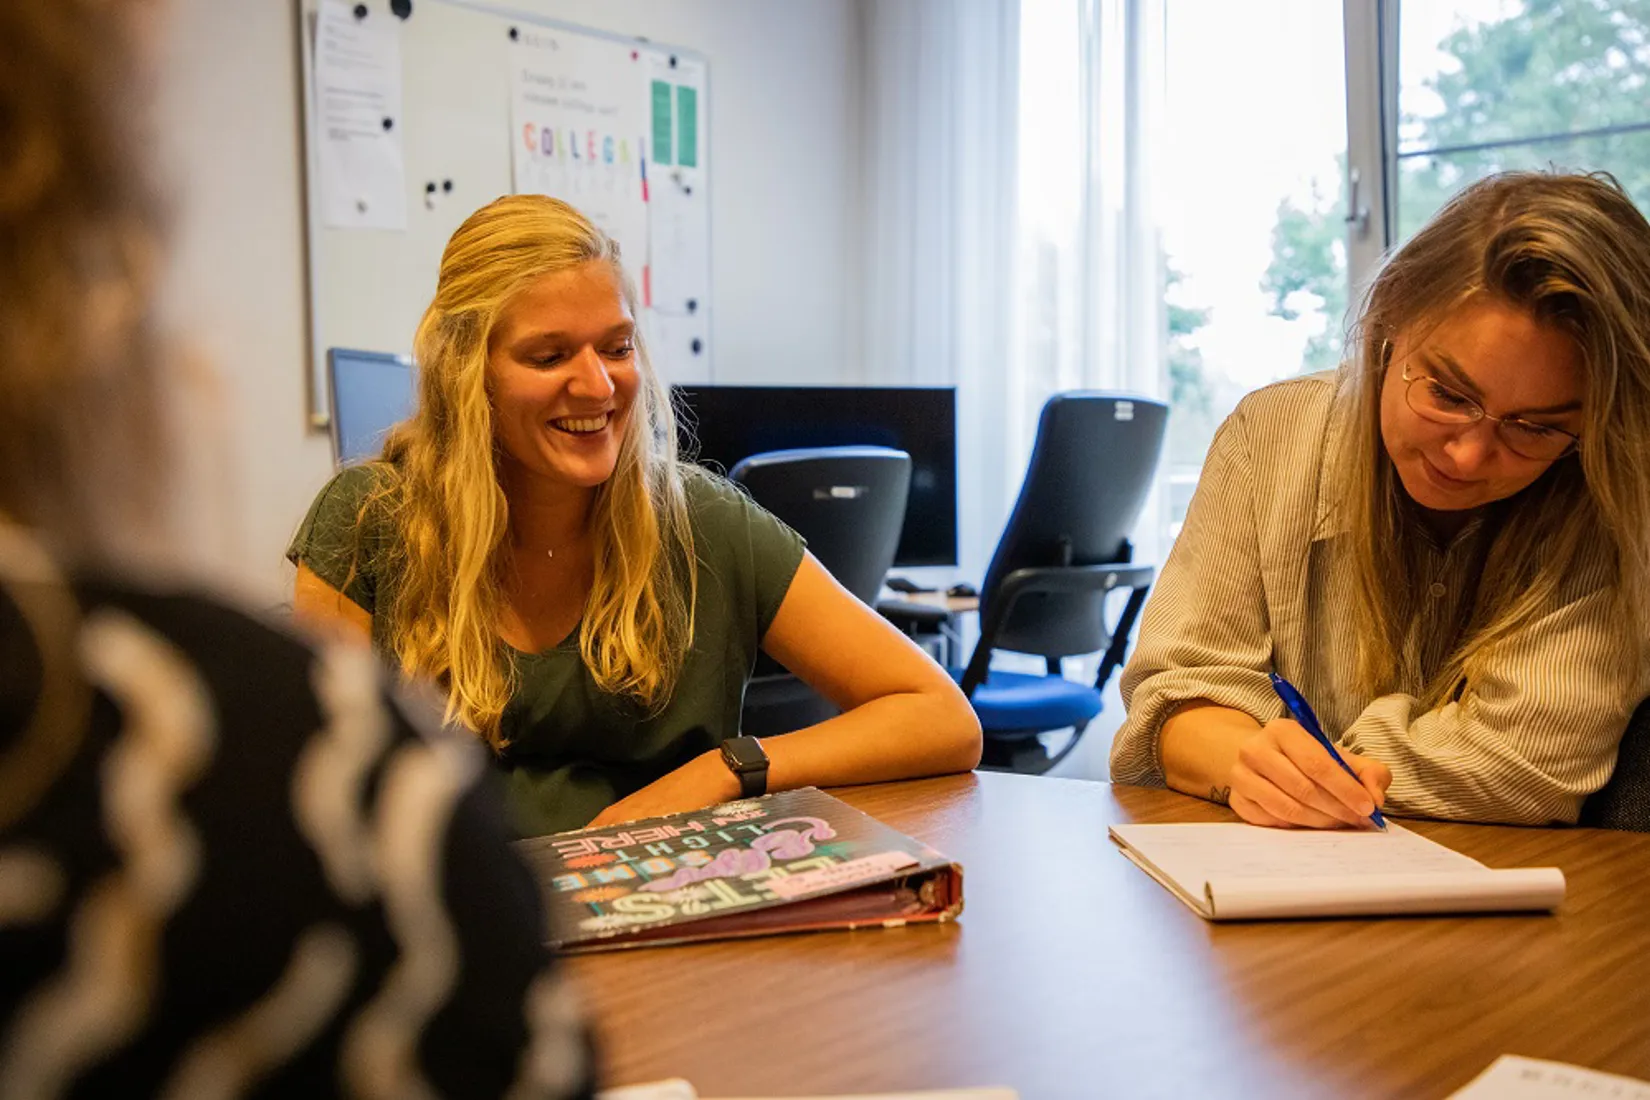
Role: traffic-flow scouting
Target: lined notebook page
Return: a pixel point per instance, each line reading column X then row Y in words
column 1189, row 851
column 1515, row 1078
column 1228, row 871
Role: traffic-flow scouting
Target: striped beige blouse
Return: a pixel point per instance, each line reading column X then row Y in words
column 1253, row 584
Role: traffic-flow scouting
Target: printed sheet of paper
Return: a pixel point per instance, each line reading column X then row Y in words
column 925, row 1094
column 578, row 119
column 678, row 288
column 363, row 178
column 679, row 249
column 1511, row 1077
column 673, row 1089
column 677, row 1089
column 1227, row 871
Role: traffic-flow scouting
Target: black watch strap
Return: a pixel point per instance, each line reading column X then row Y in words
column 746, row 759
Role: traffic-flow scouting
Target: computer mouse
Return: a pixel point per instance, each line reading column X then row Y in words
column 962, row 591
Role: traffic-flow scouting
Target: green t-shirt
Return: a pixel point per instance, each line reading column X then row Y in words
column 575, row 749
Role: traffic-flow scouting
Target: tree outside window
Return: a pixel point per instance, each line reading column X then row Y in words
column 1538, row 84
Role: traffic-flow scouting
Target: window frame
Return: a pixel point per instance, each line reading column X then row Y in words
column 1371, row 31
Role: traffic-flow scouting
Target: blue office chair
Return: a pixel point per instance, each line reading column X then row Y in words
column 1064, row 551
column 849, row 503
column 1624, row 802
column 371, row 392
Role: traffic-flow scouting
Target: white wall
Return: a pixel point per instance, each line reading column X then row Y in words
column 784, row 127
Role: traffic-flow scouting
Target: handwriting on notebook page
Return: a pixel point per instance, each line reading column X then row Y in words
column 1190, row 852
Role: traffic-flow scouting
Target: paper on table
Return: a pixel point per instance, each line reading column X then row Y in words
column 1511, row 1077
column 673, row 1089
column 1237, row 872
column 677, row 1089
column 358, row 103
column 925, row 1094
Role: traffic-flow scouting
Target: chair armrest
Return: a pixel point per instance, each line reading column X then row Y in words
column 1058, row 578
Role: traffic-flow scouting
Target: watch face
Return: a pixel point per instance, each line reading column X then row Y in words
column 744, row 752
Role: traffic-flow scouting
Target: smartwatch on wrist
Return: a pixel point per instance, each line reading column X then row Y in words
column 746, row 760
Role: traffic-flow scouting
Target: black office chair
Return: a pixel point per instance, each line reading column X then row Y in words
column 849, row 503
column 1064, row 550
column 1624, row 802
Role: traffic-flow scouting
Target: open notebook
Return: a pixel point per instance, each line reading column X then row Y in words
column 1245, row 872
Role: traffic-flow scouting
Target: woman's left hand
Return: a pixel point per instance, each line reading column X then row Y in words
column 703, row 781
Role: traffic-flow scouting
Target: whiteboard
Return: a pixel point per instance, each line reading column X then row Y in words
column 463, row 145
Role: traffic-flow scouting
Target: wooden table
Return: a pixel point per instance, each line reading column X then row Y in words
column 1073, row 974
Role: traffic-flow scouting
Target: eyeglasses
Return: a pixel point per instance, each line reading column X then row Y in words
column 1442, row 404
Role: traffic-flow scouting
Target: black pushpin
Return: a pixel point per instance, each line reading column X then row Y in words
column 673, row 61
column 693, row 305
column 401, row 8
column 447, row 187
column 514, row 34
column 686, row 190
column 698, row 345
column 389, row 123
column 429, row 188
column 360, row 11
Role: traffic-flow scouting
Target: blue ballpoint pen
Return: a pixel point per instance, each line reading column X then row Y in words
column 1298, row 709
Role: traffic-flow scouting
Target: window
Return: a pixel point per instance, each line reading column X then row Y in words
column 1287, row 143
column 1274, row 106
column 1488, row 85
column 1253, row 154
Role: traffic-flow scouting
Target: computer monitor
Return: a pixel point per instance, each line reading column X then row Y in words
column 722, row 424
column 371, row 392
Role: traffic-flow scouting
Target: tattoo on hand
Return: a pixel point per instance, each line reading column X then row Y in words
column 1222, row 795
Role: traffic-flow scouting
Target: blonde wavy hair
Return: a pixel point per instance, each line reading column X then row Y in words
column 1572, row 251
column 449, row 518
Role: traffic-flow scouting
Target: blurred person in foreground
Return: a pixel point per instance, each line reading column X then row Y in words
column 229, row 862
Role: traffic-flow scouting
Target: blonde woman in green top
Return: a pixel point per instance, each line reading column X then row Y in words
column 590, row 606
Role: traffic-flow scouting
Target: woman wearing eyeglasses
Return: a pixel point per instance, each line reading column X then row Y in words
column 1444, row 545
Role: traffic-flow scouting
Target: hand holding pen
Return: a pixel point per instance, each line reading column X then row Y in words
column 1291, row 775
column 1301, row 712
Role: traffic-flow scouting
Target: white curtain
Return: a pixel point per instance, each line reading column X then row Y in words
column 1008, row 245
column 941, row 81
column 1090, row 273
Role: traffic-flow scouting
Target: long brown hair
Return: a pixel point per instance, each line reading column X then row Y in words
column 1572, row 251
column 440, row 488
column 82, row 456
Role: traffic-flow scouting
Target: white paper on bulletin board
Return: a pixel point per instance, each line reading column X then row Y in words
column 579, row 123
column 678, row 290
column 358, row 99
